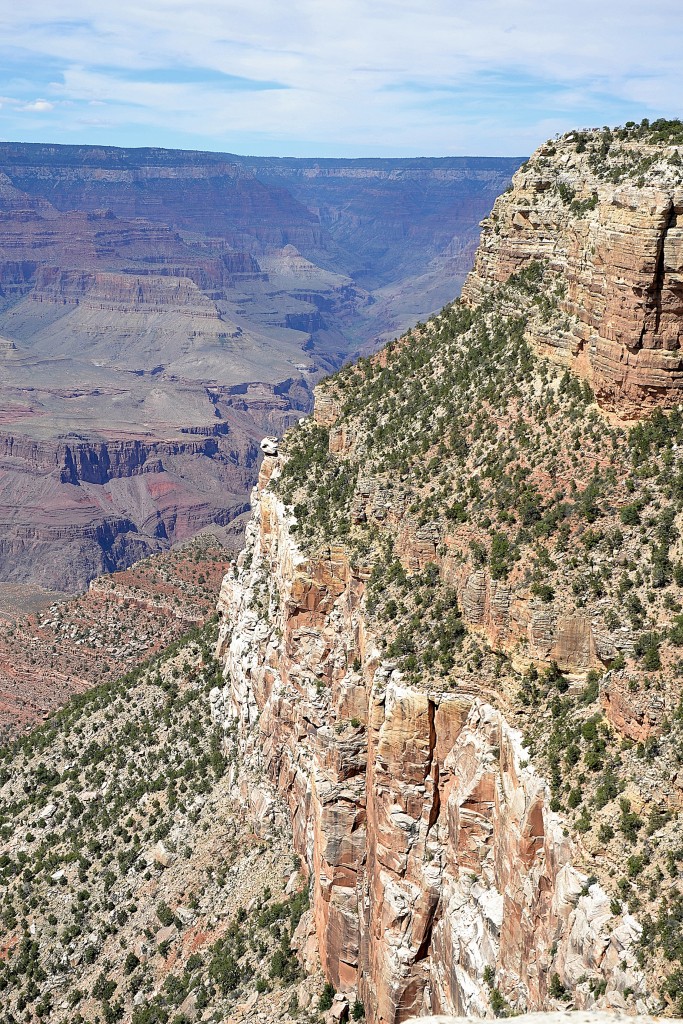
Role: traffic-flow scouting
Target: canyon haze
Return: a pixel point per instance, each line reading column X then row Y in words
column 160, row 311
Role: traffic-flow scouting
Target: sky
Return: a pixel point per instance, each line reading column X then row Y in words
column 334, row 77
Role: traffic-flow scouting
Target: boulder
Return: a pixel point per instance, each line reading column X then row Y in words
column 269, row 446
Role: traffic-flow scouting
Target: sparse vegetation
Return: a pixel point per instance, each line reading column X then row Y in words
column 127, row 774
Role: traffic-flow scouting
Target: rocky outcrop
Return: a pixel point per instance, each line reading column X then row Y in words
column 636, row 714
column 508, row 615
column 122, row 292
column 436, row 863
column 531, row 631
column 616, row 242
column 99, row 462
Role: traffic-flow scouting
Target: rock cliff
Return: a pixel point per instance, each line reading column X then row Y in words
column 90, row 506
column 450, row 646
column 434, row 855
column 603, row 208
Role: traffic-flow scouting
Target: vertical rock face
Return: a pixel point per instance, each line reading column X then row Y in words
column 607, row 216
column 428, row 836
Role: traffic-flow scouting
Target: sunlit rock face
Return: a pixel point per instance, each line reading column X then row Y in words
column 617, row 242
column 427, row 834
column 442, row 881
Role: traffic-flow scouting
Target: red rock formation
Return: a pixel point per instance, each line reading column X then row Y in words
column 429, row 838
column 93, row 506
column 636, row 714
column 617, row 249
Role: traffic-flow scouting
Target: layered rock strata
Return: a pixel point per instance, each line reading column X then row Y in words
column 435, row 860
column 92, row 506
column 615, row 238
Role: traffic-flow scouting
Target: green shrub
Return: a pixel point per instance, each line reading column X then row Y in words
column 103, row 988
column 326, row 997
column 557, row 989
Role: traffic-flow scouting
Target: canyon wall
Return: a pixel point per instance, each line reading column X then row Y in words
column 96, row 474
column 447, row 873
column 606, row 216
column 89, row 506
column 509, row 617
column 147, row 294
column 436, row 862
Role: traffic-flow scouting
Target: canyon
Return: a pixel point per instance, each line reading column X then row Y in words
column 427, row 761
column 148, row 295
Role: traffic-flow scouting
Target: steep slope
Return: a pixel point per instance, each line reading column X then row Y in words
column 71, row 645
column 603, row 209
column 452, row 646
column 133, row 888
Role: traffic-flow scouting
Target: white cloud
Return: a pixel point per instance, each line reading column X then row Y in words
column 434, row 76
column 38, row 106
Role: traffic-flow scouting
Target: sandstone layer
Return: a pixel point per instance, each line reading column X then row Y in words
column 606, row 216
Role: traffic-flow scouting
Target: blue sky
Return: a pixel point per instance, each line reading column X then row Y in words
column 334, row 77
